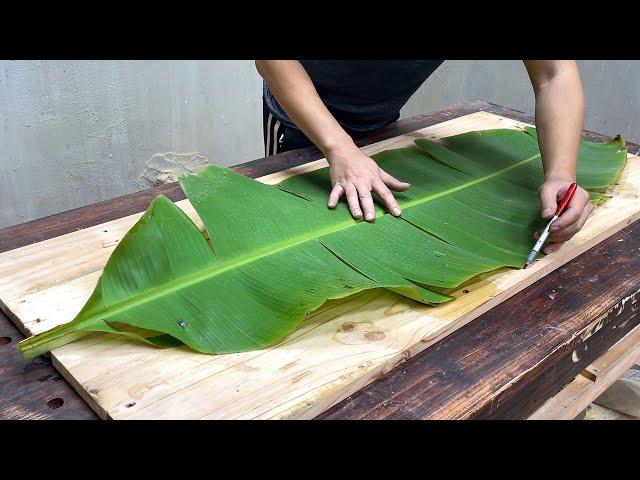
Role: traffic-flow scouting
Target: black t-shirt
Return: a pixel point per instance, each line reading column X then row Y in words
column 362, row 95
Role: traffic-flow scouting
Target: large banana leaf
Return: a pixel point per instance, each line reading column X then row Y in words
column 276, row 253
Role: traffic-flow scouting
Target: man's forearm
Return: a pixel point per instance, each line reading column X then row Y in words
column 296, row 94
column 353, row 174
column 559, row 115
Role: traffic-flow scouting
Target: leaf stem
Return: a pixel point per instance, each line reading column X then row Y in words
column 46, row 341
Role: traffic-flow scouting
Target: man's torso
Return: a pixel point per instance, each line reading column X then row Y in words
column 362, row 95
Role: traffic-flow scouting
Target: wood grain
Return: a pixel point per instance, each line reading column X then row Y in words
column 508, row 362
column 34, row 390
column 341, row 348
column 593, row 381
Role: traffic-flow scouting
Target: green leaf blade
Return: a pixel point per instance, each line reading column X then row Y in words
column 277, row 253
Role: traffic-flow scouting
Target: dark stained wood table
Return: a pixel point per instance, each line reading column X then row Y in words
column 504, row 364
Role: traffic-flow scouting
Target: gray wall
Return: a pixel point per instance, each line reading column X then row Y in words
column 77, row 132
column 611, row 87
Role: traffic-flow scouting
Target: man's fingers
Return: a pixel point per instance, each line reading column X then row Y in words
column 551, row 247
column 571, row 220
column 358, row 192
column 387, row 198
column 585, row 215
column 559, row 236
column 578, row 205
column 335, row 195
column 563, row 235
column 569, row 217
column 366, row 201
column 352, row 200
column 392, row 182
column 569, row 231
column 548, row 201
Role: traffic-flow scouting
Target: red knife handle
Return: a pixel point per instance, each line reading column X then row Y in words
column 566, row 198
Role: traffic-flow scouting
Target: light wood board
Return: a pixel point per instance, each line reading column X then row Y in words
column 340, row 348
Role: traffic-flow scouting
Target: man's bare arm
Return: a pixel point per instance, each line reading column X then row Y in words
column 353, row 173
column 559, row 119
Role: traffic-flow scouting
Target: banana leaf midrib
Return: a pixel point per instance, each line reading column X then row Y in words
column 221, row 267
column 470, row 183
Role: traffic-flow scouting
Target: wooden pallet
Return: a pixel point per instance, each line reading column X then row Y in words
column 593, row 381
column 340, row 348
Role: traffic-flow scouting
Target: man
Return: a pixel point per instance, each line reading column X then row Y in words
column 326, row 102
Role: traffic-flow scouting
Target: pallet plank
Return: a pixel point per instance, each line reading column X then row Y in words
column 331, row 356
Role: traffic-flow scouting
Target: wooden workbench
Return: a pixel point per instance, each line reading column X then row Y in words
column 504, row 364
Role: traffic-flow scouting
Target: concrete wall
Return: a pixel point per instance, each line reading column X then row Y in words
column 77, row 132
column 612, row 91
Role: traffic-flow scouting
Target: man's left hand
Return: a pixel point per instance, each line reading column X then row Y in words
column 573, row 218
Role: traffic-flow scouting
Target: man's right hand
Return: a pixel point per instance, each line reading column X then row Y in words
column 355, row 175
